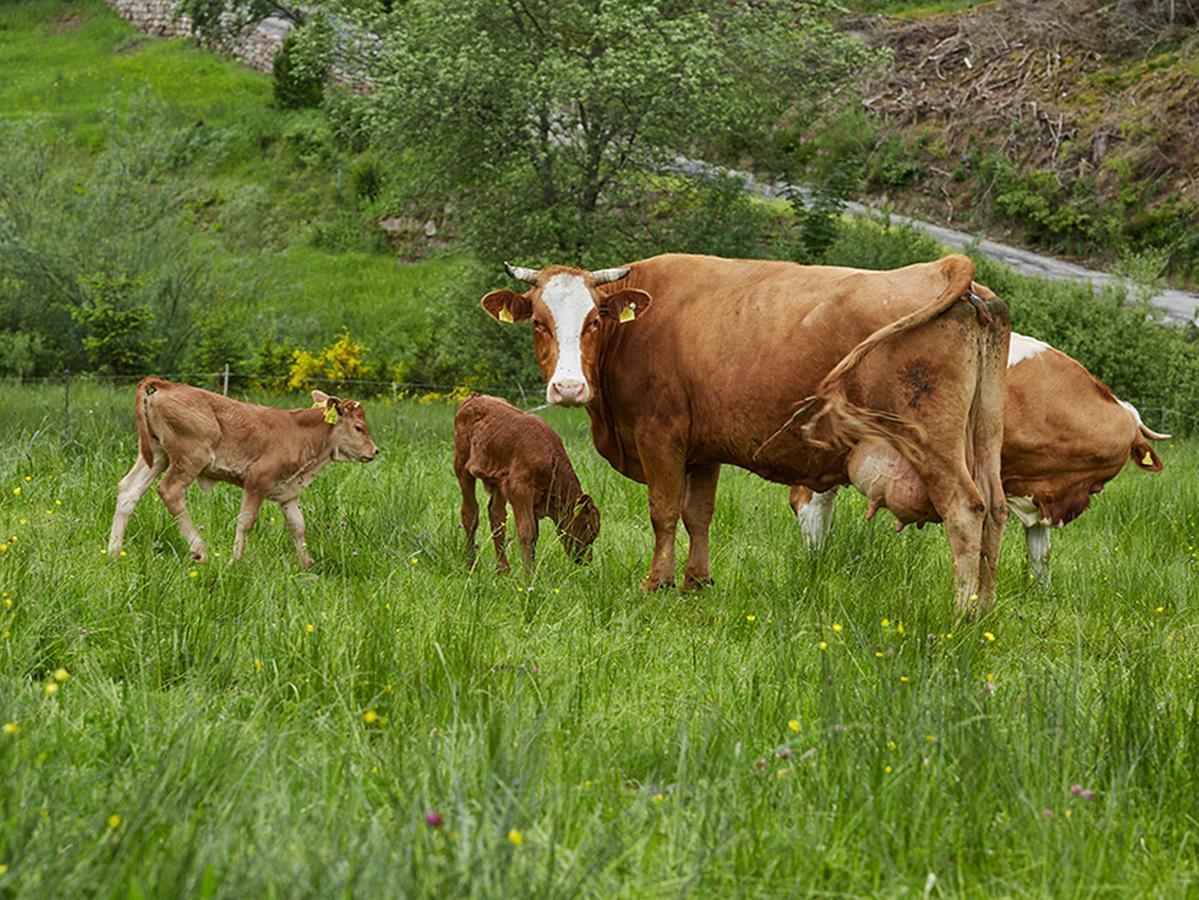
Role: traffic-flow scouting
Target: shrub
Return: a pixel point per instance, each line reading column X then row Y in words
column 115, row 329
column 300, row 69
column 338, row 364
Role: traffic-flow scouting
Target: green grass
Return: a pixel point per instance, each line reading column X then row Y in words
column 906, row 9
column 639, row 743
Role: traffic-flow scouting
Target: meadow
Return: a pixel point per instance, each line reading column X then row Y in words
column 391, row 724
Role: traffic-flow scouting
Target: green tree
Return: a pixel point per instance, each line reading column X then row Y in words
column 543, row 113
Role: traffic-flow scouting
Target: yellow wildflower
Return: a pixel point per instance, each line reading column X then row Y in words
column 370, row 717
column 657, row 798
column 988, row 636
column 899, row 627
column 16, row 492
column 51, row 689
column 903, row 679
column 823, row 645
column 61, row 674
column 193, row 574
column 793, row 724
column 886, row 623
column 837, row 627
column 879, row 654
column 12, row 728
column 310, row 628
column 515, row 838
column 114, row 821
column 258, row 665
column 888, row 769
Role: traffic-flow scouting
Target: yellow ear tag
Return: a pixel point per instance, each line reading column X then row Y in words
column 331, row 415
column 506, row 316
column 1148, row 460
column 627, row 314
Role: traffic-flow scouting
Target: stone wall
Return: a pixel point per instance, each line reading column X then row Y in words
column 256, row 46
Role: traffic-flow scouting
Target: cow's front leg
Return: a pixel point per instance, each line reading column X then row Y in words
column 699, row 502
column 251, row 502
column 294, row 517
column 666, row 479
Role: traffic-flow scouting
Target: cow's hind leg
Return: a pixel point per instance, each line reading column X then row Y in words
column 814, row 512
column 251, row 503
column 960, row 503
column 987, row 414
column 1038, row 539
column 173, row 491
column 526, row 526
column 131, row 490
column 699, row 502
column 294, row 517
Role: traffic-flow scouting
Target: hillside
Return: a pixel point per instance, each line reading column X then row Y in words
column 168, row 176
column 1071, row 126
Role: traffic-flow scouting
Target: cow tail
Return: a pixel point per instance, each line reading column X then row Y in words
column 845, row 422
column 146, row 388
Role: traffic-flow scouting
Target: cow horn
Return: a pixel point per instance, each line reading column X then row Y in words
column 603, row 276
column 521, row 273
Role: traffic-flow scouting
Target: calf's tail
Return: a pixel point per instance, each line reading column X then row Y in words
column 146, row 388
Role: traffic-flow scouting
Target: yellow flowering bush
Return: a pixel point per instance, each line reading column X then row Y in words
column 340, row 362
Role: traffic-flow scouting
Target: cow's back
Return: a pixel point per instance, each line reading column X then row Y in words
column 729, row 348
column 493, row 437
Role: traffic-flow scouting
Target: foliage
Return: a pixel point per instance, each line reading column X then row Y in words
column 337, row 365
column 219, row 21
column 538, row 112
column 302, row 64
column 236, row 748
column 114, row 328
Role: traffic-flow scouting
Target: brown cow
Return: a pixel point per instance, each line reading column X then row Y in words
column 193, row 434
column 522, row 462
column 685, row 363
column 1065, row 435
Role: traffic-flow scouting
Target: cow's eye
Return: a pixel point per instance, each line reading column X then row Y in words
column 539, row 328
column 593, row 324
column 360, row 429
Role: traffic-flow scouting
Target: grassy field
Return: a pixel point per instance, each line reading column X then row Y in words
column 815, row 726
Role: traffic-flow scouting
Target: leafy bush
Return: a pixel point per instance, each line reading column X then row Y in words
column 337, row 365
column 115, row 328
column 301, row 68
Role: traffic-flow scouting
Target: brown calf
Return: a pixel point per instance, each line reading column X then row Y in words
column 520, row 461
column 273, row 454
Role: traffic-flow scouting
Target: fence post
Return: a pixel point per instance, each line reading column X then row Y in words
column 225, row 381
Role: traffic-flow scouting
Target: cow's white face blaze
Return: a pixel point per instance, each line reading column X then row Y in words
column 570, row 318
column 568, row 300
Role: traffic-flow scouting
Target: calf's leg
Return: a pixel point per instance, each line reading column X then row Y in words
column 496, row 509
column 251, row 503
column 699, row 502
column 131, row 490
column 294, row 517
column 173, row 490
column 526, row 526
column 469, row 512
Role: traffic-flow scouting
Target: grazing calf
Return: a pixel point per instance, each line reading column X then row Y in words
column 520, row 461
column 193, row 434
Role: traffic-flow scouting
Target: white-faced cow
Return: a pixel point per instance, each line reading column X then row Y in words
column 685, row 363
column 521, row 461
column 1065, row 435
column 273, row 454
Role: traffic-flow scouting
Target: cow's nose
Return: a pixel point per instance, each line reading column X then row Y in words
column 568, row 390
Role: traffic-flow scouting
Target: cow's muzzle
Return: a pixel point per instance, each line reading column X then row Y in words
column 568, row 392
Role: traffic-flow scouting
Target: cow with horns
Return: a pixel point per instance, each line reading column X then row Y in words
column 800, row 374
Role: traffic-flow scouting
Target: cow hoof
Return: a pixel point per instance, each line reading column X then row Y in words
column 199, row 555
column 696, row 584
column 306, row 562
column 655, row 584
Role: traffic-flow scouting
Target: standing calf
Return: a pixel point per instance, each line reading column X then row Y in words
column 193, row 434
column 521, row 461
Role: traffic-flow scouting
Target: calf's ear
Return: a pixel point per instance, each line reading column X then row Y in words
column 626, row 305
column 319, row 398
column 508, row 306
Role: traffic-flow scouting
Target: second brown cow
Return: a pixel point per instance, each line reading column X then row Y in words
column 522, row 462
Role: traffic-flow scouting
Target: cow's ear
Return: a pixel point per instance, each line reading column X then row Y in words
column 626, row 305
column 1145, row 456
column 508, row 306
column 319, row 398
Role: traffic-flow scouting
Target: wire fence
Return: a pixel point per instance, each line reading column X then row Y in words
column 529, row 397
